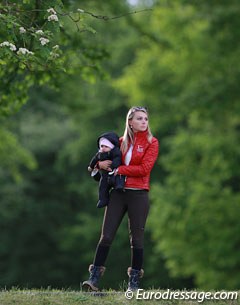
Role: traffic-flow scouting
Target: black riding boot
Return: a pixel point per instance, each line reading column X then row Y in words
column 95, row 273
column 134, row 278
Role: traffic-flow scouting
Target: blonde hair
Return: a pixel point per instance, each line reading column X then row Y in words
column 128, row 136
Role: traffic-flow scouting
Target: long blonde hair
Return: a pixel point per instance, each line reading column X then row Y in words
column 128, row 136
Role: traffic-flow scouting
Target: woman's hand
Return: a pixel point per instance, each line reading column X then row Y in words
column 105, row 165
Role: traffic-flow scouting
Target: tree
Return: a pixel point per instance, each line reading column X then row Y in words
column 188, row 72
column 39, row 45
column 52, row 225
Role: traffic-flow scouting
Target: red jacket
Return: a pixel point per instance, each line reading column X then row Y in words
column 144, row 155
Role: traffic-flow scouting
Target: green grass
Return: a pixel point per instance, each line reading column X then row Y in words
column 65, row 297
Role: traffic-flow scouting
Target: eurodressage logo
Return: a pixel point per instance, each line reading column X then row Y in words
column 140, row 148
column 199, row 296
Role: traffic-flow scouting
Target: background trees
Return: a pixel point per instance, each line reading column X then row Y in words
column 189, row 75
column 184, row 67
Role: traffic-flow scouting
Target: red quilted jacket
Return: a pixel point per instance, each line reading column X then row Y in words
column 144, row 155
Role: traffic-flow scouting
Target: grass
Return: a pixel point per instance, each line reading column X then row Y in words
column 65, row 297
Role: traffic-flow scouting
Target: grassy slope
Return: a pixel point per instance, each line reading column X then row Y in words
column 58, row 297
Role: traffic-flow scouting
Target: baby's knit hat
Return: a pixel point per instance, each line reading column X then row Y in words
column 106, row 142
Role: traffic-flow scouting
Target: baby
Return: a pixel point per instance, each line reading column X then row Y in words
column 108, row 144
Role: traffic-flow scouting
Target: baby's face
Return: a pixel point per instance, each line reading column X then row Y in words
column 104, row 148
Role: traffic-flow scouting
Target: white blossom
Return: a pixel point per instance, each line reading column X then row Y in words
column 43, row 41
column 52, row 11
column 24, row 51
column 53, row 18
column 4, row 44
column 22, row 30
column 11, row 46
column 54, row 55
column 80, row 10
column 39, row 32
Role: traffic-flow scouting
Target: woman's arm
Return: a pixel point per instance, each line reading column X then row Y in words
column 105, row 165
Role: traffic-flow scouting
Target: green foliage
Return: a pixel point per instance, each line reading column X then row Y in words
column 184, row 66
column 40, row 42
column 55, row 209
column 201, row 216
column 189, row 77
column 13, row 156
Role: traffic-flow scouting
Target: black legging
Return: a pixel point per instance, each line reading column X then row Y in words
column 136, row 204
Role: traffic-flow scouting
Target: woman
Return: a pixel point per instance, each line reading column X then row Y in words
column 139, row 153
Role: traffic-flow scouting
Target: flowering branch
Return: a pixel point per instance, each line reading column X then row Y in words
column 36, row 45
